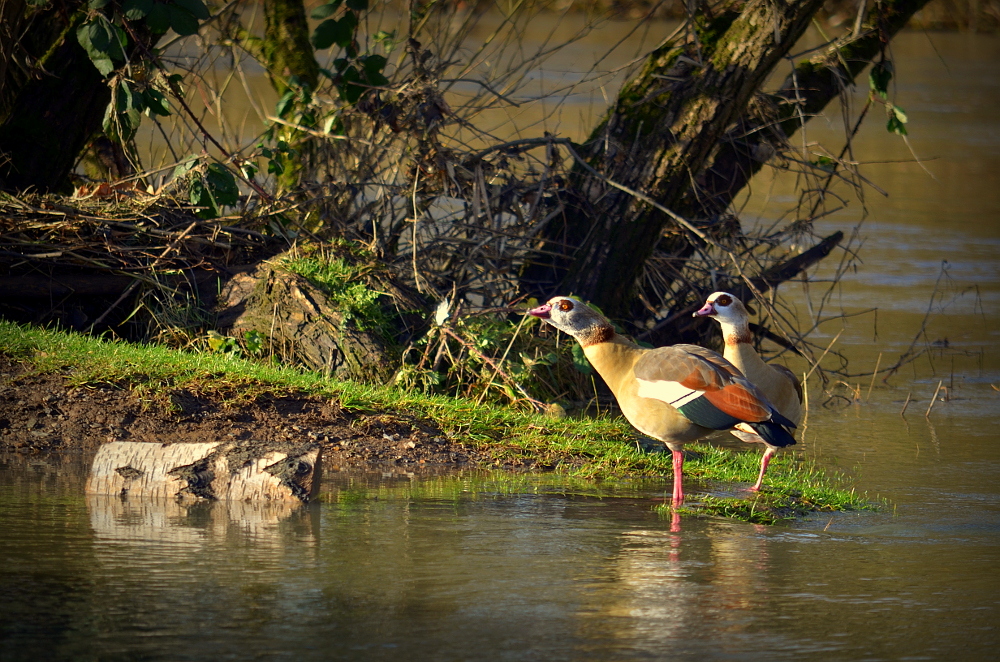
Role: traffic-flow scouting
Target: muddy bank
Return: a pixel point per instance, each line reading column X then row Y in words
column 43, row 413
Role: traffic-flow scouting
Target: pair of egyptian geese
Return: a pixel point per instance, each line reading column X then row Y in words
column 682, row 393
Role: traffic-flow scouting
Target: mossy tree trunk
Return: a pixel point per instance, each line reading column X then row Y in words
column 664, row 133
column 803, row 95
column 301, row 322
column 291, row 66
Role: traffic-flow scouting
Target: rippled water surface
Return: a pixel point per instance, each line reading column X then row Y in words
column 471, row 567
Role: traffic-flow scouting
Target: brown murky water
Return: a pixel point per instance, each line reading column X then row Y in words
column 465, row 568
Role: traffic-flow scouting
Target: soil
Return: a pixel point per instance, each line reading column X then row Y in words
column 44, row 413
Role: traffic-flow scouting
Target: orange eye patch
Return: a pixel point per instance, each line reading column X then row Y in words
column 565, row 305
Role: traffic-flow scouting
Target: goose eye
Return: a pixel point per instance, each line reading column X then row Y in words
column 565, row 305
column 724, row 300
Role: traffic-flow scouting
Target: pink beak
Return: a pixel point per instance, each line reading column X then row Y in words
column 707, row 309
column 544, row 311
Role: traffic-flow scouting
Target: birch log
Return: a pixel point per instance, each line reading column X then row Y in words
column 218, row 470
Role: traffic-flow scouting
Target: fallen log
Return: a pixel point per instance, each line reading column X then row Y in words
column 239, row 471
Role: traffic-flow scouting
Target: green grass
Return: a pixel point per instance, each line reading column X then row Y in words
column 583, row 449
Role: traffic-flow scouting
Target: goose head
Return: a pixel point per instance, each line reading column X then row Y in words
column 572, row 316
column 725, row 308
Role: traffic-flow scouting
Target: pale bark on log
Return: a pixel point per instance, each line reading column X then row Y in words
column 198, row 523
column 214, row 470
column 297, row 317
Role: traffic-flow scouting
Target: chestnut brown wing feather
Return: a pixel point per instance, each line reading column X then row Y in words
column 701, row 369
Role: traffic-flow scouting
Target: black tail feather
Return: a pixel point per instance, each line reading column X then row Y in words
column 773, row 433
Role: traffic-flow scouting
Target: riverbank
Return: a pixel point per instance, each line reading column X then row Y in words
column 70, row 393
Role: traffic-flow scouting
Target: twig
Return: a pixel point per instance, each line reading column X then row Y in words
column 933, row 399
column 874, row 375
column 538, row 404
column 825, row 351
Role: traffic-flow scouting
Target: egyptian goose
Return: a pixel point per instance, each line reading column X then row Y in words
column 675, row 394
column 778, row 383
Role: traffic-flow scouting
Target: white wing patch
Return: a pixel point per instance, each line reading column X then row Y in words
column 673, row 393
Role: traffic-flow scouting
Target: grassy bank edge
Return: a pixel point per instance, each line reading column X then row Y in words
column 583, row 448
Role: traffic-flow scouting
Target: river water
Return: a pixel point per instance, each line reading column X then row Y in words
column 466, row 567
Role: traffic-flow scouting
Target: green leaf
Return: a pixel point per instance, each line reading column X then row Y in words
column 182, row 21
column 374, row 64
column 96, row 41
column 387, row 39
column 96, row 4
column 879, row 77
column 580, row 361
column 222, row 184
column 136, row 9
column 158, row 17
column 325, row 10
column 348, row 91
column 895, row 126
column 249, row 169
column 349, row 23
column 357, row 5
column 900, row 114
column 196, row 8
column 156, row 102
column 285, row 103
column 185, row 167
column 332, row 31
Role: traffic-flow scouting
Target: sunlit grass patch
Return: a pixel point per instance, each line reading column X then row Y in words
column 584, row 449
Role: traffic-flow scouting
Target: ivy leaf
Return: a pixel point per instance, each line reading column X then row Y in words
column 326, row 10
column 332, row 31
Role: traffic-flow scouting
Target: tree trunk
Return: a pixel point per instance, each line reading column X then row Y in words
column 286, row 48
column 53, row 98
column 670, row 124
column 802, row 96
column 293, row 314
column 658, row 137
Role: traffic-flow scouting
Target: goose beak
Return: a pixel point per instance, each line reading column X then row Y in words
column 704, row 311
column 544, row 311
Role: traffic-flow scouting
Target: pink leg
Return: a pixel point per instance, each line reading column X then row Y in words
column 678, row 477
column 764, row 461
